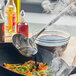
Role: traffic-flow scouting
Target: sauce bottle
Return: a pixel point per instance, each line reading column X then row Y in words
column 10, row 19
column 22, row 25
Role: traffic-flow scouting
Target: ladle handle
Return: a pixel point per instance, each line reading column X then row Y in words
column 52, row 22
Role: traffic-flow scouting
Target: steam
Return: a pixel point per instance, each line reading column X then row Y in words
column 58, row 6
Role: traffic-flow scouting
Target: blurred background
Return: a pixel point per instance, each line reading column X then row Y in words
column 32, row 5
column 36, row 16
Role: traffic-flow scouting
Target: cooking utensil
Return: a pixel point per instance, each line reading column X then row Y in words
column 25, row 45
column 9, row 54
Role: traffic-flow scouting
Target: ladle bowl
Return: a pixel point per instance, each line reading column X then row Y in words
column 24, row 45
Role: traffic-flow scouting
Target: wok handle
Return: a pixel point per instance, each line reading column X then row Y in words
column 73, row 71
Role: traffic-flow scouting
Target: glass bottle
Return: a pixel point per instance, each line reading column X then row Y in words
column 10, row 19
column 1, row 26
column 22, row 25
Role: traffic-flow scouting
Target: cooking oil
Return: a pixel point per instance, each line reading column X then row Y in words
column 10, row 18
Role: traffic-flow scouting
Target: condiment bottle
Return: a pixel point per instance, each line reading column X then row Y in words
column 10, row 19
column 22, row 25
column 1, row 26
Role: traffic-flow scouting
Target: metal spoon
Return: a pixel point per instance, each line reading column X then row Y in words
column 26, row 46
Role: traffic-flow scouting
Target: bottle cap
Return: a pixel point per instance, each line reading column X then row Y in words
column 22, row 16
column 22, row 13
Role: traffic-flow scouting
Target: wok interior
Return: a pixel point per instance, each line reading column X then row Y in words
column 9, row 54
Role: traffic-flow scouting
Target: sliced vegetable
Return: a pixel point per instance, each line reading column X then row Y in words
column 29, row 68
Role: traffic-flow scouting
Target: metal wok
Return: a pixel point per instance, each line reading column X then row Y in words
column 9, row 54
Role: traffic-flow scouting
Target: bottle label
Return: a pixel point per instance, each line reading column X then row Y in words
column 10, row 21
column 14, row 22
column 6, row 20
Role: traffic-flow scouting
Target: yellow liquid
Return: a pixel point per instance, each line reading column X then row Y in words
column 10, row 29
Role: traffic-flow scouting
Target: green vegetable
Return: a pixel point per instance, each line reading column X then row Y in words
column 23, row 70
column 13, row 68
column 45, row 64
column 30, row 68
column 18, row 69
column 34, row 73
column 14, row 64
column 42, row 71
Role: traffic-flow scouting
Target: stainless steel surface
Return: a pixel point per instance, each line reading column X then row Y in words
column 24, row 45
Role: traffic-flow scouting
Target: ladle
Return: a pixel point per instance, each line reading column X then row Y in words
column 26, row 46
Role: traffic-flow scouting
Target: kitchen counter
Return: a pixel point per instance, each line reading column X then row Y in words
column 70, row 52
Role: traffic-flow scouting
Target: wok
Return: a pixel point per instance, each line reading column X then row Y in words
column 9, row 54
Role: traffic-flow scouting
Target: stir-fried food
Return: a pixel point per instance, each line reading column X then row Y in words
column 29, row 68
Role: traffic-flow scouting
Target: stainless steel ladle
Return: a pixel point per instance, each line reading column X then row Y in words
column 27, row 46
